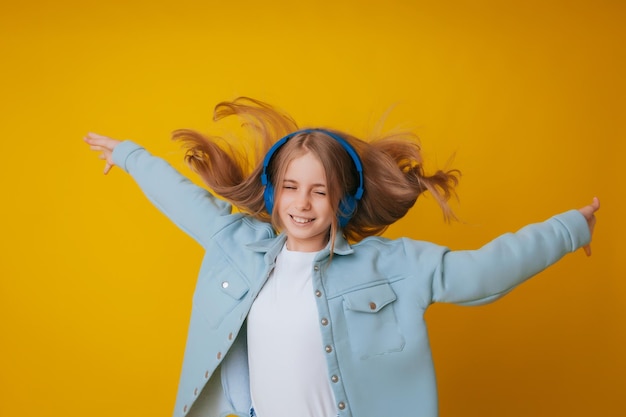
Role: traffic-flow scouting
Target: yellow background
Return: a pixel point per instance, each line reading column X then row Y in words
column 95, row 284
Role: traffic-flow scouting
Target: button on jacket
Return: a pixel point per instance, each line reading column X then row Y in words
column 371, row 297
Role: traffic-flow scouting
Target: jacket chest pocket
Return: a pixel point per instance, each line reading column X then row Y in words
column 219, row 290
column 373, row 328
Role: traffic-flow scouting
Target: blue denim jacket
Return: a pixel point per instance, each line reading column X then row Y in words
column 371, row 298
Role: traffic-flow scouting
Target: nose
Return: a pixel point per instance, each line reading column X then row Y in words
column 303, row 201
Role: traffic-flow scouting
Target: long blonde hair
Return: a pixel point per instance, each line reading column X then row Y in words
column 392, row 168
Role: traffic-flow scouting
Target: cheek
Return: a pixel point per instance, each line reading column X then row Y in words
column 280, row 200
column 326, row 207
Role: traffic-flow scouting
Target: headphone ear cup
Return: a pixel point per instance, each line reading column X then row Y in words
column 347, row 206
column 268, row 195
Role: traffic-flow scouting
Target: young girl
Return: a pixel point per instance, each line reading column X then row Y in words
column 299, row 310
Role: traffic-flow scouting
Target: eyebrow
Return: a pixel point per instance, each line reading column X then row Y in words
column 296, row 182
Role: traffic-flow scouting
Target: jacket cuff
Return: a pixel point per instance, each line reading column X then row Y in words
column 122, row 152
column 577, row 228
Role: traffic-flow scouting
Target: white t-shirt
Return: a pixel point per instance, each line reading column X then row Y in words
column 288, row 373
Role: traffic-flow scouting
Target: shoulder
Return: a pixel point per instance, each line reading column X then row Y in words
column 243, row 228
column 395, row 254
column 394, row 247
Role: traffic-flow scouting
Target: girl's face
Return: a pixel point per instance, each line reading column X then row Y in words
column 303, row 205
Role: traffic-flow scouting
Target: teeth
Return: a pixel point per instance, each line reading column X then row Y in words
column 301, row 219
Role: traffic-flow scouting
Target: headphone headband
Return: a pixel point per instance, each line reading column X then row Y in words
column 350, row 199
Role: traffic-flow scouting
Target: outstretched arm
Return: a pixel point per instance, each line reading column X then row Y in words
column 479, row 276
column 190, row 207
column 589, row 213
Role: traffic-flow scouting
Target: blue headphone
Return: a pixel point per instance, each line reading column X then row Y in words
column 348, row 202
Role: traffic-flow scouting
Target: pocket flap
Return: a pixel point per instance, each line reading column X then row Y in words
column 371, row 299
column 235, row 287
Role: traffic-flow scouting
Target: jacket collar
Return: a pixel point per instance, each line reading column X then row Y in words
column 272, row 247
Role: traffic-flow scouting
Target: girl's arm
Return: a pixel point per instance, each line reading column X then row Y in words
column 190, row 207
column 483, row 275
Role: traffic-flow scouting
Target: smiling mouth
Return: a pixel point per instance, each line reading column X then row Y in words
column 301, row 220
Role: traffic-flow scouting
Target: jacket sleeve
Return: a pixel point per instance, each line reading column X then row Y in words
column 483, row 275
column 190, row 207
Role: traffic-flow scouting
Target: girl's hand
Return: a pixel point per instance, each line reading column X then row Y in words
column 105, row 145
column 589, row 213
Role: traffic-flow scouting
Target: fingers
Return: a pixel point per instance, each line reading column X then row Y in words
column 96, row 137
column 595, row 204
column 103, row 144
column 589, row 213
column 97, row 148
column 589, row 210
column 107, row 165
column 95, row 144
column 100, row 142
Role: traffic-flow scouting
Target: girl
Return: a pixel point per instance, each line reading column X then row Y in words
column 299, row 310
